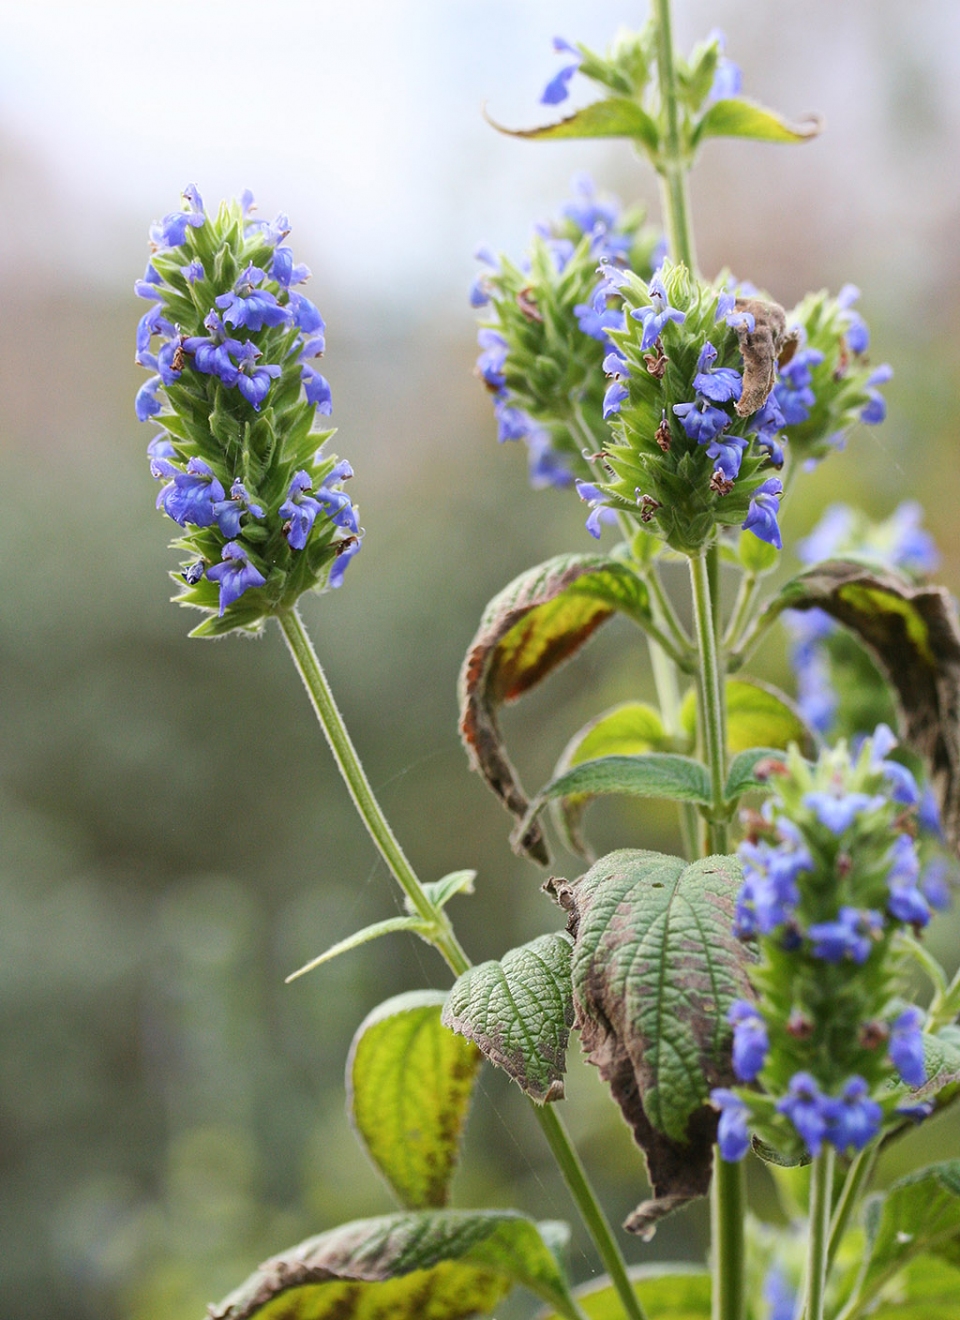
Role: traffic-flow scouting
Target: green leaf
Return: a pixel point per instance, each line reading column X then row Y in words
column 624, row 730
column 941, row 1058
column 737, row 117
column 441, row 891
column 539, row 620
column 918, row 1216
column 666, row 1292
column 652, row 774
column 615, row 116
column 414, row 924
column 655, row 969
column 913, row 636
column 409, row 1084
column 749, row 771
column 757, row 556
column 435, row 1265
column 519, row 1011
column 758, row 715
column 929, row 1289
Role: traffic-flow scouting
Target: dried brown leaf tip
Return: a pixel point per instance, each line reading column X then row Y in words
column 762, row 348
column 657, row 361
column 663, row 436
column 527, row 303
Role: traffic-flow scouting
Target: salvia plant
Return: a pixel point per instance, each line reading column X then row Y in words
column 759, row 997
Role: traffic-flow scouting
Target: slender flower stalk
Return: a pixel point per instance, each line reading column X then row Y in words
column 673, row 167
column 821, row 1186
column 442, row 937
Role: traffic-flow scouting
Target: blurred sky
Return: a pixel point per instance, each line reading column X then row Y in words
column 362, row 121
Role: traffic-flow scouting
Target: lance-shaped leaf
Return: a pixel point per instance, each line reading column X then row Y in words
column 541, row 619
column 653, row 774
column 616, row 117
column 655, row 968
column 913, row 635
column 625, row 730
column 519, row 1012
column 758, row 715
column 409, row 1084
column 918, row 1216
column 435, row 1265
column 737, row 117
column 666, row 1292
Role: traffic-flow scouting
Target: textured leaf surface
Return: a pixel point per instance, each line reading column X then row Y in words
column 409, row 1084
column 616, row 116
column 750, row 770
column 655, row 970
column 437, row 1265
column 757, row 716
column 666, row 1292
column 541, row 619
column 625, row 730
column 918, row 1216
column 913, row 635
column 519, row 1012
column 736, row 117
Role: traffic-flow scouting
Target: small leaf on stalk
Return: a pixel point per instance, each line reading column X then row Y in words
column 433, row 1265
column 656, row 967
column 666, row 1292
column 622, row 731
column 737, row 117
column 416, row 926
column 519, row 1012
column 615, row 116
column 441, row 891
column 758, row 715
column 409, row 1085
column 913, row 636
column 941, row 1059
column 752, row 770
column 918, row 1216
column 539, row 620
column 653, row 774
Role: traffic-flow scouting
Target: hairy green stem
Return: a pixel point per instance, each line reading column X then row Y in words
column 858, row 1175
column 713, row 708
column 821, row 1192
column 743, row 608
column 348, row 762
column 728, row 1212
column 665, row 611
column 673, row 165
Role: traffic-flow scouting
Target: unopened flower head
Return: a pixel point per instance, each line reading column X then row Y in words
column 831, row 874
column 229, row 336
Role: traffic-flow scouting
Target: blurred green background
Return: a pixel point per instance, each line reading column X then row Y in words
column 175, row 837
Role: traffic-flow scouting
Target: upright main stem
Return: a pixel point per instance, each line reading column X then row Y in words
column 821, row 1189
column 348, row 762
column 712, row 699
column 673, row 166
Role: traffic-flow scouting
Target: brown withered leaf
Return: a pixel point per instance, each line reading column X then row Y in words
column 537, row 622
column 913, row 635
column 761, row 348
column 655, row 969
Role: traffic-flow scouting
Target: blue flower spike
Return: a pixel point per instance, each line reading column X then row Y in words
column 243, row 466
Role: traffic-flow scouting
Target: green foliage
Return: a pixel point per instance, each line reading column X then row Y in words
column 539, row 620
column 625, row 730
column 435, row 1265
column 614, row 117
column 655, row 969
column 519, row 1011
column 757, row 715
column 666, row 1292
column 409, row 1084
column 415, row 925
column 751, row 770
column 737, row 117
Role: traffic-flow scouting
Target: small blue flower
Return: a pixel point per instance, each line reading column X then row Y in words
column 285, row 271
column 546, row 466
column 601, row 513
column 306, row 315
column 317, row 390
column 596, row 317
column 702, row 421
column 851, row 935
column 656, row 316
column 728, row 80
column 727, row 454
column 193, row 272
column 750, row 1039
column 146, row 403
column 492, row 360
column 873, row 412
column 172, row 229
column 794, row 396
column 214, row 355
column 906, row 1046
column 253, row 381
column 615, row 366
column 906, row 901
column 856, row 1118
column 161, row 446
column 903, row 786
column 732, row 1135
column 588, row 210
column 192, row 496
column 558, row 89
column 512, row 423
column 809, row 1110
column 351, row 546
column 149, row 286
column 235, row 574
column 856, row 333
column 935, row 883
column 250, row 306
column 769, row 892
column 299, row 510
column 779, row 1296
column 718, row 384
column 837, row 809
column 913, row 549
column 762, row 512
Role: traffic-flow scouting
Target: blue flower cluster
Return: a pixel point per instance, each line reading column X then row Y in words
column 231, row 339
column 898, row 543
column 544, row 334
column 831, row 872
